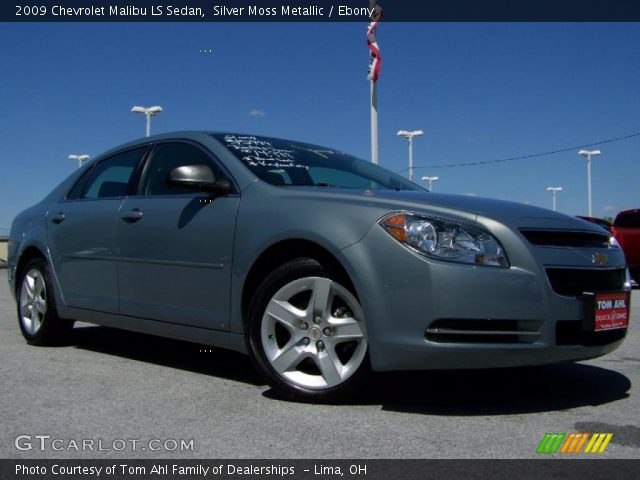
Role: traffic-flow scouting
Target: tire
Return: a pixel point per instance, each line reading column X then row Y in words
column 36, row 307
column 307, row 335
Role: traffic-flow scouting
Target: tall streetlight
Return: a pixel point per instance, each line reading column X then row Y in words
column 149, row 112
column 79, row 158
column 430, row 180
column 588, row 154
column 554, row 190
column 409, row 136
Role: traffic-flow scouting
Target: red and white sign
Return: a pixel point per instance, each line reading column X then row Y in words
column 612, row 311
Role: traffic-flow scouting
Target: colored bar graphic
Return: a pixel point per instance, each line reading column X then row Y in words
column 590, row 444
column 582, row 441
column 552, row 442
column 608, row 438
column 568, row 445
column 574, row 443
column 598, row 443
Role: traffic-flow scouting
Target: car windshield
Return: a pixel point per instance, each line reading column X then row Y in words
column 286, row 163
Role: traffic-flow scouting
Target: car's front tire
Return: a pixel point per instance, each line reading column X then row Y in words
column 307, row 335
column 37, row 314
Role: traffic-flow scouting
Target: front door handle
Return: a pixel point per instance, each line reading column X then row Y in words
column 58, row 217
column 132, row 215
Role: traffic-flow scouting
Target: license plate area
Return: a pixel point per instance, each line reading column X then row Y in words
column 607, row 311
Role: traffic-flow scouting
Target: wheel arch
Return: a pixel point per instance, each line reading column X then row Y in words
column 25, row 257
column 285, row 251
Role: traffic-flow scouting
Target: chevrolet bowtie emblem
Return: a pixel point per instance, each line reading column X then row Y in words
column 600, row 258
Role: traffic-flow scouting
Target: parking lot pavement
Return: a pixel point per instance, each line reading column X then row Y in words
column 109, row 385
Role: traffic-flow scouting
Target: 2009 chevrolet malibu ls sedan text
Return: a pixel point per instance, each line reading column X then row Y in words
column 320, row 266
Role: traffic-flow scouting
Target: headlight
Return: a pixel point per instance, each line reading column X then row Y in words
column 445, row 240
column 627, row 281
column 613, row 243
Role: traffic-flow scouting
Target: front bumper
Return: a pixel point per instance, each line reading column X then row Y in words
column 405, row 295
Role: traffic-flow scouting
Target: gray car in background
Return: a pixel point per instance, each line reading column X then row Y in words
column 322, row 267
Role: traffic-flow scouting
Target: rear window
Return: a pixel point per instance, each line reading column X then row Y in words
column 628, row 220
column 110, row 178
column 77, row 189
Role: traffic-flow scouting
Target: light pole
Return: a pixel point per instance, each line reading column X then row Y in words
column 79, row 158
column 409, row 136
column 588, row 154
column 554, row 190
column 430, row 180
column 149, row 112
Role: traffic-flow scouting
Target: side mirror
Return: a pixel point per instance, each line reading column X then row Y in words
column 198, row 177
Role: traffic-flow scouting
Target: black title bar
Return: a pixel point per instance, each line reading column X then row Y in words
column 165, row 469
column 319, row 11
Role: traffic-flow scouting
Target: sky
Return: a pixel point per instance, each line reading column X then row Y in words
column 480, row 91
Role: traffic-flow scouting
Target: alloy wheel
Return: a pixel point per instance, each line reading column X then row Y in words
column 33, row 301
column 313, row 333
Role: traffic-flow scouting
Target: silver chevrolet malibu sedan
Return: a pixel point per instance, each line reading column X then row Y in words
column 320, row 266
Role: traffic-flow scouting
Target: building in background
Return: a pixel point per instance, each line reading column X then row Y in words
column 4, row 242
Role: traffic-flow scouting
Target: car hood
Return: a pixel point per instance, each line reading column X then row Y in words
column 515, row 215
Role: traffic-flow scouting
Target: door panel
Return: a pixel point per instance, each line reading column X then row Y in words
column 82, row 233
column 82, row 248
column 175, row 260
column 176, row 245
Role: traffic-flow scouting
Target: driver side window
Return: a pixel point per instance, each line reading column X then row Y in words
column 165, row 158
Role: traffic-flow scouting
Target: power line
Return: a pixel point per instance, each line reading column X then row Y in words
column 524, row 157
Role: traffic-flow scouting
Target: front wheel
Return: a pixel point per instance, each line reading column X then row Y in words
column 307, row 334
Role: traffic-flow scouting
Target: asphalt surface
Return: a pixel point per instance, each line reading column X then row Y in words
column 117, row 386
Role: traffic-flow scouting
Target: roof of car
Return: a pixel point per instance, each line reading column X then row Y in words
column 633, row 210
column 199, row 133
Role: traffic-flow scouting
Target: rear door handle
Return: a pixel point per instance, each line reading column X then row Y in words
column 132, row 215
column 58, row 217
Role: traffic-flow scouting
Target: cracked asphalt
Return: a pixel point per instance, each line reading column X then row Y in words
column 112, row 386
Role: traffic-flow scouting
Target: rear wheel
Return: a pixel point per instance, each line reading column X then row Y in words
column 307, row 334
column 37, row 315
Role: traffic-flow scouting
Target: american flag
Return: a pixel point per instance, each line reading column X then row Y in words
column 376, row 60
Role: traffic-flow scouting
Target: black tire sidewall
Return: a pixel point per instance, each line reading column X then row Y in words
column 286, row 273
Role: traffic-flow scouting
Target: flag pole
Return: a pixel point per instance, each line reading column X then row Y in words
column 374, row 122
column 375, row 61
